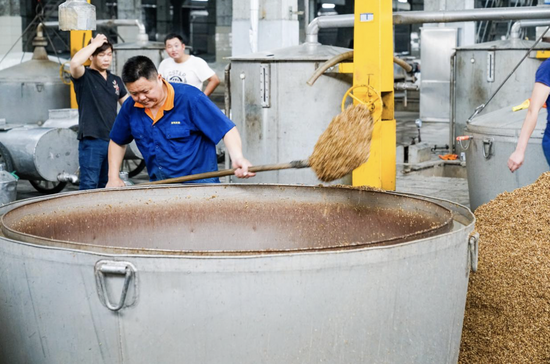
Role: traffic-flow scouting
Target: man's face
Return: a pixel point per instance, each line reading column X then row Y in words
column 175, row 48
column 149, row 93
column 102, row 61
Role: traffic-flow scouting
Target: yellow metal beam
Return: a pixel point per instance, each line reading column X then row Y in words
column 79, row 40
column 373, row 66
column 346, row 67
column 542, row 54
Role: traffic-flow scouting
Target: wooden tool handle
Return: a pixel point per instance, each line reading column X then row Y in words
column 229, row 172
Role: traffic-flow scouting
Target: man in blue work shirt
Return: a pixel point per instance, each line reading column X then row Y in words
column 175, row 126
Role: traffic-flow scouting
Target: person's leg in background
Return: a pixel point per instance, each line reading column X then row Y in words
column 92, row 154
column 104, row 172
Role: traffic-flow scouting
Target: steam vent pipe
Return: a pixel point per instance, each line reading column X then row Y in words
column 516, row 27
column 419, row 17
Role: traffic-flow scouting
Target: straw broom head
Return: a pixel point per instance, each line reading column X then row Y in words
column 344, row 145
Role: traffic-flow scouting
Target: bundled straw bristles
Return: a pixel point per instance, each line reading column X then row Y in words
column 344, row 145
column 508, row 307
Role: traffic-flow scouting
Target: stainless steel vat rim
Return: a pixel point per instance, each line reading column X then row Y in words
column 300, row 53
column 506, row 123
column 138, row 46
column 502, row 45
column 28, row 239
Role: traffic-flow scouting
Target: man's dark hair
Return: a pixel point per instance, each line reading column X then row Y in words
column 172, row 36
column 138, row 67
column 103, row 48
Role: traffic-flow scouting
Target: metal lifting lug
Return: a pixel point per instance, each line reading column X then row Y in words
column 473, row 246
column 464, row 138
column 488, row 147
column 105, row 268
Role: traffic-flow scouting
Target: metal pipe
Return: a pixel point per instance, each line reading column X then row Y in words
column 254, row 20
column 406, row 86
column 516, row 27
column 68, row 177
column 306, row 13
column 419, row 17
column 510, row 13
column 401, row 63
column 334, row 21
column 40, row 43
column 227, row 109
column 452, row 98
column 345, row 56
column 325, row 66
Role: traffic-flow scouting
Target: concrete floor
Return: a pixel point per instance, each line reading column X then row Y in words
column 421, row 182
column 417, row 182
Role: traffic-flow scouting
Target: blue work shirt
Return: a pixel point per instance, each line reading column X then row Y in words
column 183, row 141
column 543, row 76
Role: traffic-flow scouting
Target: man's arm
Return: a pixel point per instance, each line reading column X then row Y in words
column 78, row 60
column 121, row 101
column 213, row 82
column 233, row 144
column 116, row 155
column 538, row 98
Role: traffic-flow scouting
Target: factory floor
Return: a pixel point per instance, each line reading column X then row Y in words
column 429, row 181
column 446, row 179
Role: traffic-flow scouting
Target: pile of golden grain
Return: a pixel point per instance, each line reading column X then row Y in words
column 508, row 308
column 344, row 145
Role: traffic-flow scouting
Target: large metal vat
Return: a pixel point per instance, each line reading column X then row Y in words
column 437, row 47
column 233, row 274
column 31, row 88
column 124, row 51
column 8, row 186
column 278, row 115
column 42, row 153
column 495, row 136
column 480, row 70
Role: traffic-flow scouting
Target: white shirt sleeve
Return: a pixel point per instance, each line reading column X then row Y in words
column 162, row 68
column 204, row 72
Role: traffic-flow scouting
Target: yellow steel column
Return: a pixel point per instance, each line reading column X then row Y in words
column 373, row 66
column 79, row 40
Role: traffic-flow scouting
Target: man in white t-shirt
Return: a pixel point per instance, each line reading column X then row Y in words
column 185, row 68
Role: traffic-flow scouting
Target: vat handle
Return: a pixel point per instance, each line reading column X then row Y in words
column 488, row 147
column 473, row 246
column 104, row 267
column 462, row 138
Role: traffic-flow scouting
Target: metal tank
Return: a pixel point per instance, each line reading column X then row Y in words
column 68, row 118
column 32, row 88
column 494, row 139
column 8, row 186
column 124, row 51
column 278, row 115
column 233, row 274
column 42, row 153
column 481, row 68
column 62, row 118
